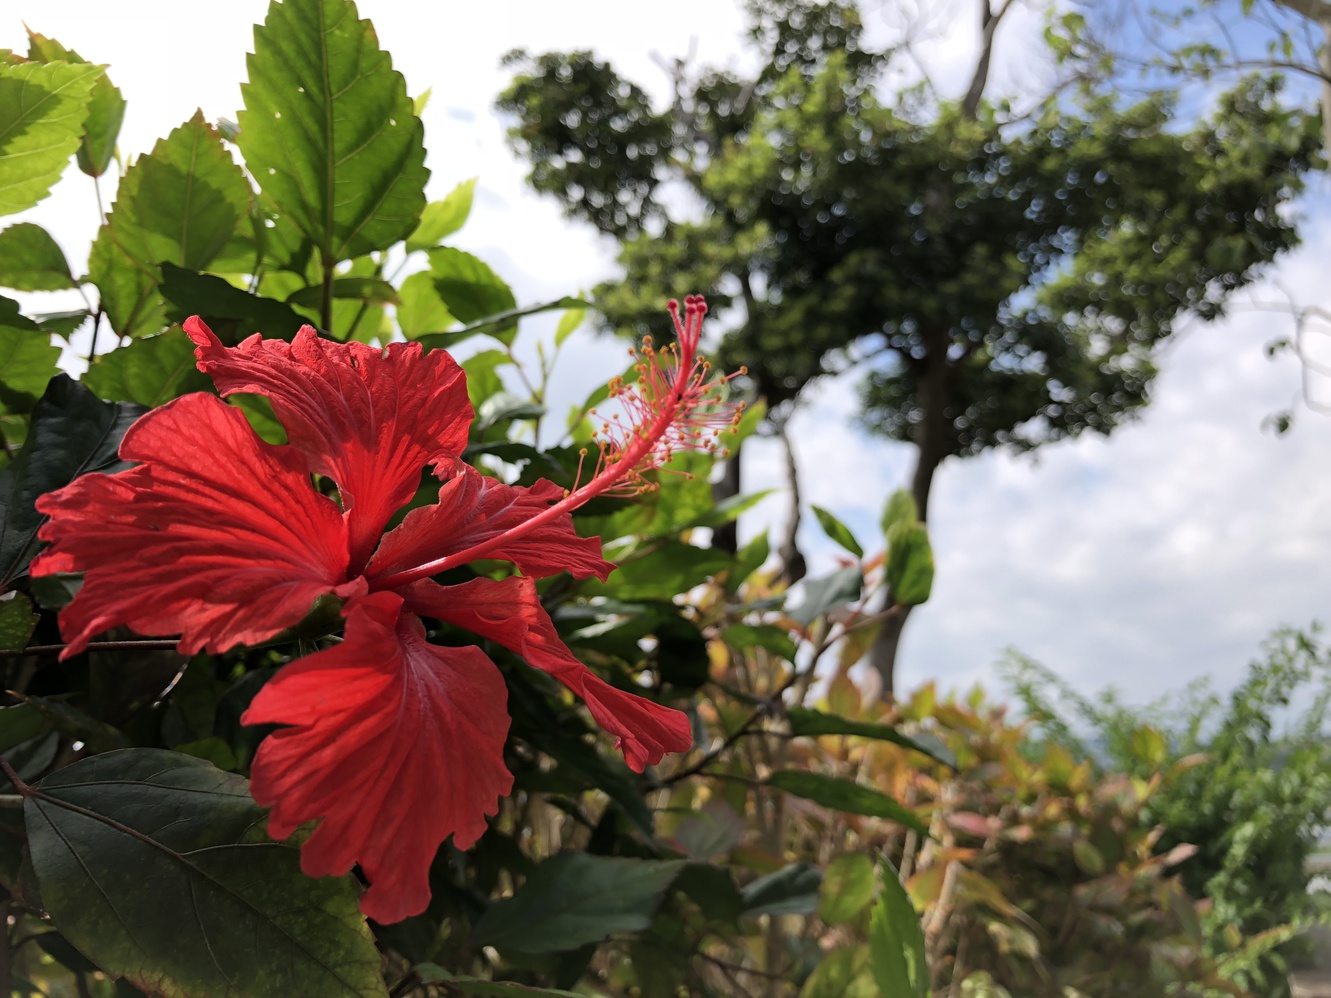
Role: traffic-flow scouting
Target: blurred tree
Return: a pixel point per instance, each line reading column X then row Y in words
column 1003, row 276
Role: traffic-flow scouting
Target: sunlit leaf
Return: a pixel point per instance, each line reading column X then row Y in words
column 441, row 219
column 328, row 130
column 106, row 107
column 841, row 794
column 30, row 260
column 42, row 111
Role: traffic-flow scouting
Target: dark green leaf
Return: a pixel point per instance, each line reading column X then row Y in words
column 181, row 204
column 17, row 621
column 76, row 724
column 73, row 432
column 474, row 293
column 106, row 107
column 156, row 866
column 749, row 560
column 844, row 973
column 848, row 888
column 713, row 890
column 827, row 593
column 27, row 359
column 441, row 219
column 845, row 795
column 370, row 289
column 910, row 564
column 62, row 323
column 772, row 638
column 42, row 110
column 575, row 898
column 30, row 260
column 838, row 531
column 150, row 371
column 431, row 973
column 791, row 890
column 897, row 942
column 19, row 724
column 502, row 408
column 329, row 132
column 231, row 313
column 808, row 722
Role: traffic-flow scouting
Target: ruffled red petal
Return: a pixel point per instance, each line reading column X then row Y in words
column 216, row 536
column 370, row 419
column 510, row 613
column 474, row 508
column 395, row 744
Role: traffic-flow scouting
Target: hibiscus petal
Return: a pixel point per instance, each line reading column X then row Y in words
column 395, row 744
column 474, row 508
column 510, row 613
column 216, row 536
column 368, row 418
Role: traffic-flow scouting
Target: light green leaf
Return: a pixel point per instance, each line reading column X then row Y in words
column 472, row 291
column 30, row 260
column 848, row 887
column 430, row 973
column 441, row 219
column 181, row 204
column 843, row 973
column 150, row 371
column 838, row 531
column 422, row 100
column 845, row 795
column 106, row 107
column 156, row 866
column 899, row 508
column 27, row 359
column 42, row 110
column 421, row 311
column 329, row 132
column 896, row 941
column 568, row 324
column 575, row 898
column 910, row 563
column 807, row 722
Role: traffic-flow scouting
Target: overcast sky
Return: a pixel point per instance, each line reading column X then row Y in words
column 1144, row 561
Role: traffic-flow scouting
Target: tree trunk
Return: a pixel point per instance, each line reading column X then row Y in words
column 933, row 387
column 793, row 565
column 726, row 537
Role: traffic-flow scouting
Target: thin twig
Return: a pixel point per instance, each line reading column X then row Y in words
column 141, row 644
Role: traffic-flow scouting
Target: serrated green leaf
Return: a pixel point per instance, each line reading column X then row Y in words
column 575, row 898
column 329, row 132
column 42, row 110
column 828, row 592
column 228, row 912
column 30, row 260
column 441, row 219
column 73, row 432
column 910, row 563
column 848, row 888
column 150, row 371
column 845, row 795
column 17, row 621
column 838, row 531
column 106, row 107
column 421, row 311
column 472, row 291
column 27, row 359
column 568, row 324
column 807, row 722
column 896, row 942
column 181, row 205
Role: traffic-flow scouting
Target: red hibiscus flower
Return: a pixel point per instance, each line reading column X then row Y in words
column 393, row 743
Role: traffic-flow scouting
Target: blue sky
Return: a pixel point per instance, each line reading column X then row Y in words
column 1145, row 560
